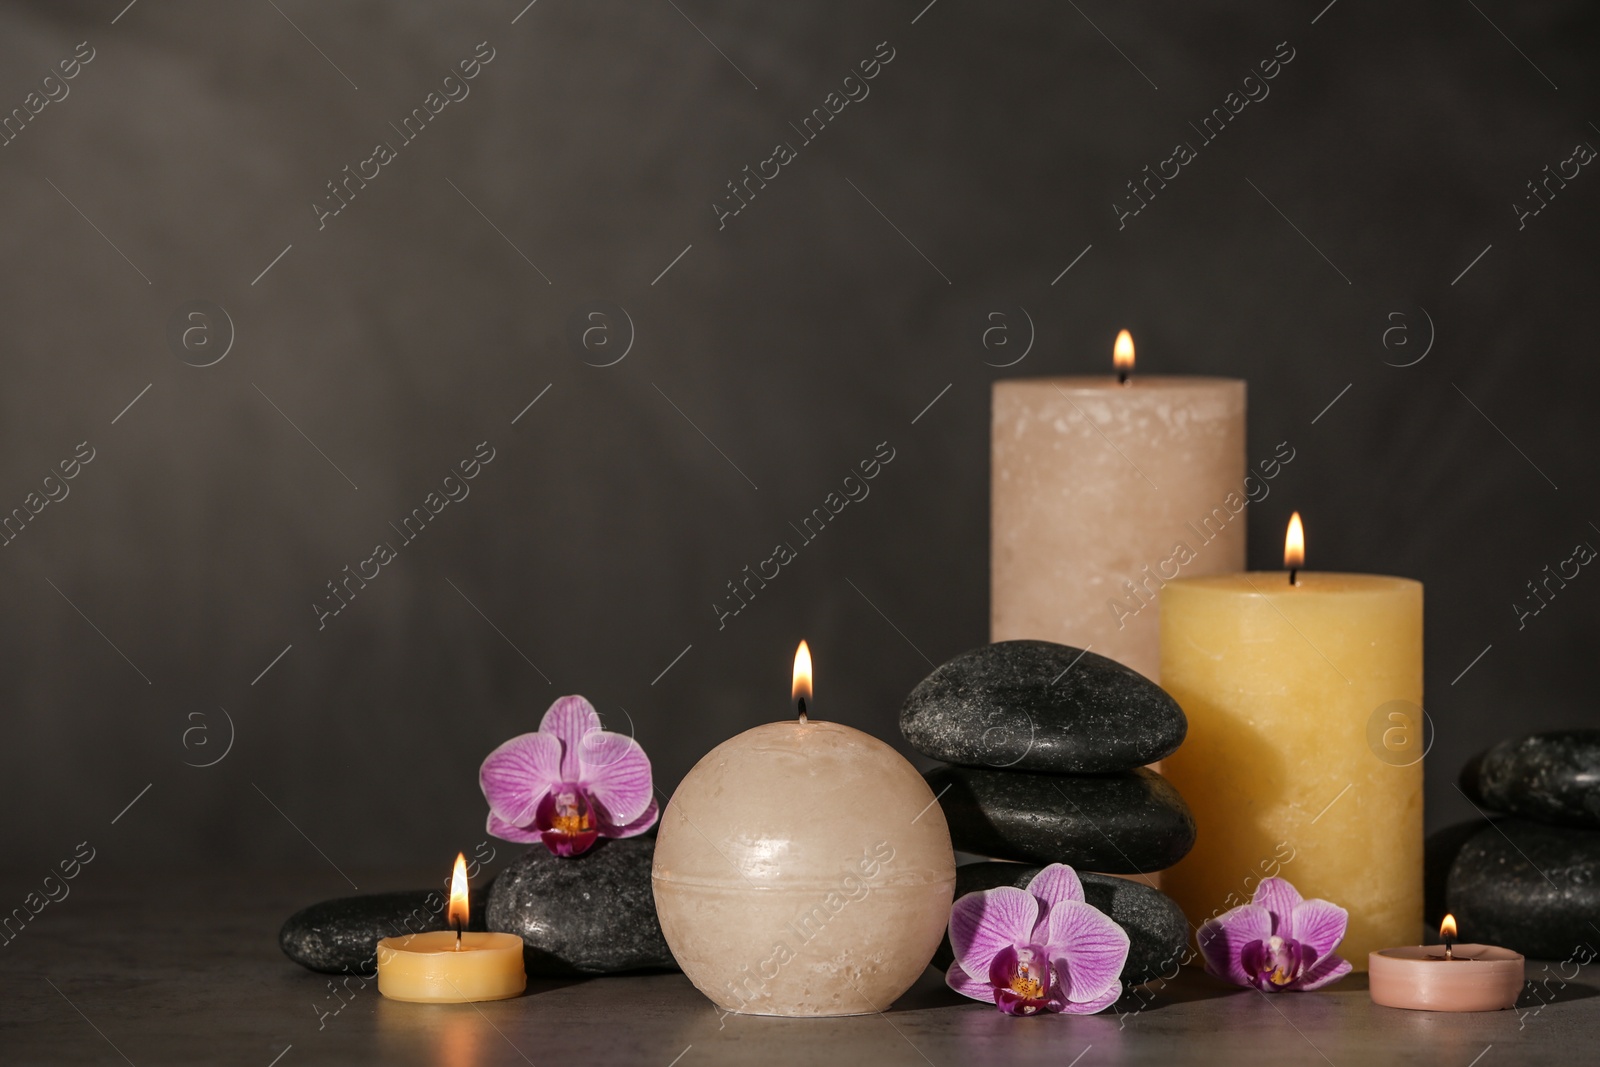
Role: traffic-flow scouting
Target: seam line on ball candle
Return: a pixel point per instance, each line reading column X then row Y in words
column 1104, row 438
column 1268, row 601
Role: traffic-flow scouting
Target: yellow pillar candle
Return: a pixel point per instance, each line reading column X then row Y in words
column 1104, row 489
column 1304, row 753
column 451, row 966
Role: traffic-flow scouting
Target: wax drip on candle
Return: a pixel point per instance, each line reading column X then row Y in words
column 1122, row 357
column 459, row 905
column 1294, row 548
column 800, row 691
column 1447, row 934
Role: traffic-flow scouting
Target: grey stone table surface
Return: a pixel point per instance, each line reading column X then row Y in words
column 183, row 968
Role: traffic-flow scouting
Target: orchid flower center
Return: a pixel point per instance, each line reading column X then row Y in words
column 571, row 813
column 1279, row 961
column 1022, row 978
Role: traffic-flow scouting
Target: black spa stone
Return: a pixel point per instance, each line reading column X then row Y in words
column 1528, row 887
column 1133, row 822
column 341, row 936
column 588, row 914
column 1158, row 934
column 1038, row 706
column 1553, row 777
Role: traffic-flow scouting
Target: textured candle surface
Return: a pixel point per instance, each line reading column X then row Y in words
column 1101, row 493
column 803, row 869
column 430, row 968
column 1304, row 754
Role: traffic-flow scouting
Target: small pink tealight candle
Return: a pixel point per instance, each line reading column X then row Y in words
column 1447, row 977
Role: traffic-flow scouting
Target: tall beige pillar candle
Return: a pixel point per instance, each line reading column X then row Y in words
column 1102, row 492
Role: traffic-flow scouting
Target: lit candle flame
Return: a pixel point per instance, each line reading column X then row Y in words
column 1294, row 544
column 1447, row 929
column 800, row 692
column 1122, row 355
column 458, row 912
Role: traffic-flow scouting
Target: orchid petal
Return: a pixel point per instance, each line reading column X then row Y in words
column 1222, row 939
column 1099, row 1003
column 1280, row 898
column 498, row 827
column 517, row 775
column 1056, row 883
column 982, row 924
column 962, row 982
column 1089, row 947
column 1326, row 970
column 568, row 719
column 1319, row 924
column 634, row 828
column 616, row 774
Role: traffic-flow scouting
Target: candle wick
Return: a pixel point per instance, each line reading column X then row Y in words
column 801, row 703
column 1294, row 575
column 1122, row 377
column 458, row 935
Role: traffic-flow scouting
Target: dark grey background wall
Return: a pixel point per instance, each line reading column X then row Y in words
column 166, row 602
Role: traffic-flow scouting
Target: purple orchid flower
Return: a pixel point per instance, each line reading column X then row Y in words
column 569, row 784
column 1277, row 941
column 1036, row 949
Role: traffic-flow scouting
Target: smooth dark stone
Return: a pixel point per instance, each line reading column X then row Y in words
column 341, row 936
column 1039, row 706
column 588, row 914
column 1128, row 823
column 1528, row 887
column 1158, row 934
column 1439, row 854
column 1553, row 777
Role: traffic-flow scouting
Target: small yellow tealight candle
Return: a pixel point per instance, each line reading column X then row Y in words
column 451, row 967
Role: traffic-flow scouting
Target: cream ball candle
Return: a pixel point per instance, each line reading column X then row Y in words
column 1306, row 736
column 803, row 868
column 451, row 967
